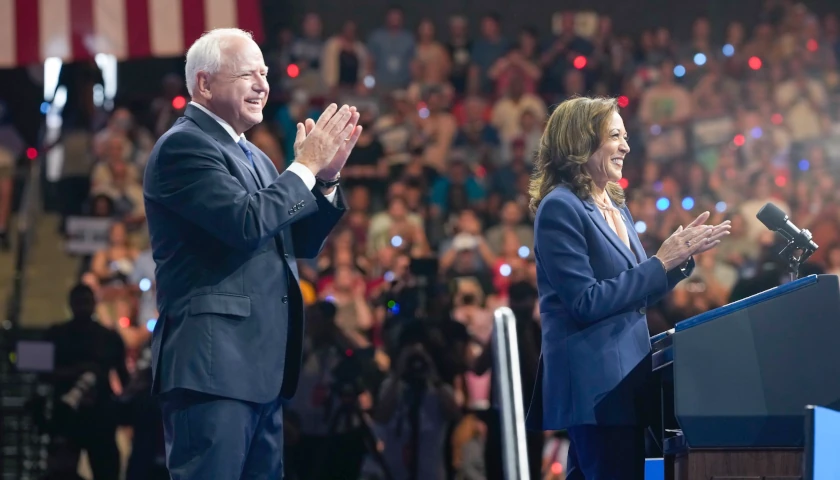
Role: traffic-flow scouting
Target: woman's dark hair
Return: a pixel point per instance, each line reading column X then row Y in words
column 575, row 130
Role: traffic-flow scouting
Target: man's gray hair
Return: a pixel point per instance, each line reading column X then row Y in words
column 205, row 54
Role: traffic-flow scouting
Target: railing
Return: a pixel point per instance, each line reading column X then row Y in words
column 23, row 449
column 27, row 213
column 508, row 384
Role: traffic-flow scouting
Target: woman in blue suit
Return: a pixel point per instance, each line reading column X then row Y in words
column 595, row 283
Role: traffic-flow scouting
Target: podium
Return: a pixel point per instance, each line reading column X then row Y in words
column 734, row 382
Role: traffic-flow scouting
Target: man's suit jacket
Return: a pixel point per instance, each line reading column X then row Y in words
column 225, row 237
column 594, row 291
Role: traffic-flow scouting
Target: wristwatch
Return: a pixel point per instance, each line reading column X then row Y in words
column 327, row 183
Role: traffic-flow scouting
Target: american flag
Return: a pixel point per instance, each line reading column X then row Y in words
column 33, row 30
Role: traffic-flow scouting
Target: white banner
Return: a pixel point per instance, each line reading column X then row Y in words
column 87, row 235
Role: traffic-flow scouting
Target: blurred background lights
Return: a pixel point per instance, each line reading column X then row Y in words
column 145, row 284
column 728, row 50
column 756, row 132
column 150, row 324
column 699, row 59
column 179, row 102
column 641, row 227
column 687, row 203
column 396, row 241
column 804, row 165
column 524, row 251
column 505, row 270
column 662, row 204
column 679, row 71
column 720, row 207
column 754, row 63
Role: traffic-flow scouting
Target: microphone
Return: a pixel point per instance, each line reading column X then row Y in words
column 776, row 220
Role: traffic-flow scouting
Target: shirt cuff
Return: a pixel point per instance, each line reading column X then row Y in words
column 304, row 173
column 331, row 196
column 308, row 178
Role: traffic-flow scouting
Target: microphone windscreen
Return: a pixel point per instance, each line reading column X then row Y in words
column 771, row 216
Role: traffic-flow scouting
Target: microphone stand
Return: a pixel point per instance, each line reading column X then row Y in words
column 796, row 256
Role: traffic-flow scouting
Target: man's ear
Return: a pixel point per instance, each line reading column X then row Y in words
column 203, row 86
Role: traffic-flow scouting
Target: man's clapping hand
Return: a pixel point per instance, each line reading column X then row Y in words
column 325, row 145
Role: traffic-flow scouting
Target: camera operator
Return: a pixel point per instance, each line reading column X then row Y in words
column 87, row 356
column 413, row 414
column 333, row 393
column 411, row 294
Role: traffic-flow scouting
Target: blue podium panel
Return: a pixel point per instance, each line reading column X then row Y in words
column 654, row 469
column 822, row 444
column 742, row 374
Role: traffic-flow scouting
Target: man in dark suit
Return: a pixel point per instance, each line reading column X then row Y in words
column 225, row 231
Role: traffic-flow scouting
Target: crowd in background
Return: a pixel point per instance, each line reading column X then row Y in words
column 397, row 372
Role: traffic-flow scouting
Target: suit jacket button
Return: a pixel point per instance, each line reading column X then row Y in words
column 286, row 255
column 285, row 299
column 643, row 311
column 291, row 211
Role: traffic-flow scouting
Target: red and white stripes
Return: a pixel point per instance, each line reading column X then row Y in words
column 33, row 30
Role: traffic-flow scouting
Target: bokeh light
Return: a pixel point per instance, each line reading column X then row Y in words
column 804, row 165
column 641, row 227
column 179, row 102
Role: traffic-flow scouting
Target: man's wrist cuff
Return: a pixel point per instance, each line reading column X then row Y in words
column 327, row 183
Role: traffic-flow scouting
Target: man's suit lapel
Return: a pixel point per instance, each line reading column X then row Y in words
column 608, row 232
column 212, row 128
column 265, row 171
column 237, row 153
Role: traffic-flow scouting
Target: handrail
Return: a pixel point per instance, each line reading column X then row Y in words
column 27, row 213
column 509, row 385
